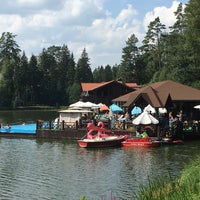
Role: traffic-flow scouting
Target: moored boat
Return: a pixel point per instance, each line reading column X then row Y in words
column 110, row 141
column 141, row 142
column 170, row 141
column 98, row 136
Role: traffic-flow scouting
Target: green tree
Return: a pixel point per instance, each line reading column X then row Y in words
column 174, row 53
column 130, row 53
column 108, row 73
column 21, row 81
column 83, row 70
column 74, row 92
column 115, row 69
column 34, row 81
column 9, row 62
column 6, row 84
column 9, row 49
column 47, row 66
column 192, row 34
column 63, row 76
column 151, row 48
column 98, row 74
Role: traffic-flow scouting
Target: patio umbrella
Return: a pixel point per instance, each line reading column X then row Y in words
column 162, row 110
column 115, row 108
column 145, row 118
column 104, row 107
column 81, row 104
column 197, row 107
column 91, row 105
column 78, row 104
column 136, row 110
column 150, row 109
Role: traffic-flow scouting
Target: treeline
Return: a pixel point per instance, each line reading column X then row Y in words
column 53, row 77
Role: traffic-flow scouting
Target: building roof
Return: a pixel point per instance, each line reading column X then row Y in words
column 158, row 93
column 132, row 85
column 93, row 86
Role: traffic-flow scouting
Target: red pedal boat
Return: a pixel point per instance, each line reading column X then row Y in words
column 101, row 137
column 141, row 142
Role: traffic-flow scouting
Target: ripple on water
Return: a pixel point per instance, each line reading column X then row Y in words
column 32, row 169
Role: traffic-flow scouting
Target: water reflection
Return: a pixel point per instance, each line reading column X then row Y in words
column 50, row 169
column 19, row 116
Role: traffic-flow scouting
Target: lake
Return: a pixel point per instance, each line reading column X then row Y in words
column 59, row 169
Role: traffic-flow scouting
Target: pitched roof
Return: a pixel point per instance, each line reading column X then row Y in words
column 132, row 85
column 177, row 91
column 92, row 86
column 158, row 93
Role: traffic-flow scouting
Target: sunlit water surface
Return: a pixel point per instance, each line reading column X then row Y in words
column 43, row 169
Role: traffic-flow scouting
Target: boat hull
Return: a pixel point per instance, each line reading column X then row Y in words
column 102, row 142
column 140, row 142
column 168, row 141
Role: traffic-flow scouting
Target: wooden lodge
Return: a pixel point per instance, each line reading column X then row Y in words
column 105, row 92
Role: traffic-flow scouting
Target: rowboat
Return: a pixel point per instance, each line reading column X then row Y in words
column 98, row 136
column 141, row 142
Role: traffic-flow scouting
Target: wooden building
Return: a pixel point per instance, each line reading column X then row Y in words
column 106, row 91
column 169, row 94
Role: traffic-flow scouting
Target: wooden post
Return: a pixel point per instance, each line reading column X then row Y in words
column 50, row 125
column 76, row 124
column 63, row 125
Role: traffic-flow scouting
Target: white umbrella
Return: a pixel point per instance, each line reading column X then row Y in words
column 145, row 118
column 150, row 109
column 78, row 104
column 92, row 105
column 197, row 107
column 81, row 104
column 162, row 110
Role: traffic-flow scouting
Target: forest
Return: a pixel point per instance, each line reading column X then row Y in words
column 53, row 77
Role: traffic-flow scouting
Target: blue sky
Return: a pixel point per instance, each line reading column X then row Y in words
column 100, row 26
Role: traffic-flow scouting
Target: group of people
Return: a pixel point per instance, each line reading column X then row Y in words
column 174, row 125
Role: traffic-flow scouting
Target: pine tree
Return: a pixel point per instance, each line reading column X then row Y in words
column 192, row 34
column 130, row 53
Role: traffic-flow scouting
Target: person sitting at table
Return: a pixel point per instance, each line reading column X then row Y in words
column 138, row 132
column 144, row 134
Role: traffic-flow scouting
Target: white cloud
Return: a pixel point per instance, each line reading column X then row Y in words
column 165, row 14
column 79, row 24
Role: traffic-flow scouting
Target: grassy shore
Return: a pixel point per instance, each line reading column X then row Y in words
column 186, row 187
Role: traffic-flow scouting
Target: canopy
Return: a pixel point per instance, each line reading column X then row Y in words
column 81, row 104
column 136, row 110
column 197, row 107
column 150, row 109
column 78, row 104
column 115, row 108
column 145, row 118
column 92, row 105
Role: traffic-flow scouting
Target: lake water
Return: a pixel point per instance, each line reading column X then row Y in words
column 42, row 169
column 15, row 117
column 58, row 169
